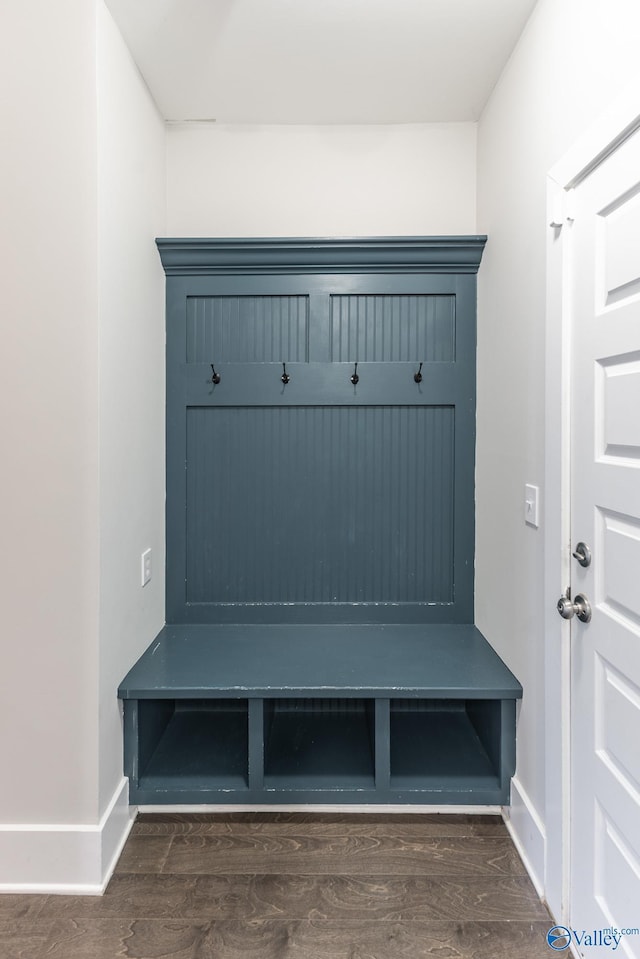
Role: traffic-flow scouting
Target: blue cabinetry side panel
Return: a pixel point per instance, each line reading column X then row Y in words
column 247, row 329
column 382, row 328
column 320, row 505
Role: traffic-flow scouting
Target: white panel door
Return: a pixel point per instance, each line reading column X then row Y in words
column 605, row 514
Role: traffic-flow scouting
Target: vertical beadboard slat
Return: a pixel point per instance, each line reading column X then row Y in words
column 320, row 504
column 393, row 328
column 247, row 329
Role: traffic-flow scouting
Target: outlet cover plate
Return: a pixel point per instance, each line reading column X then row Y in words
column 145, row 567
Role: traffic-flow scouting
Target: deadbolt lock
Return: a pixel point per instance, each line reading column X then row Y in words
column 583, row 554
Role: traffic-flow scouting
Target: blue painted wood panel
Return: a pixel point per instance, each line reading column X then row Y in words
column 320, row 505
column 267, row 714
column 380, row 328
column 320, row 501
column 452, row 661
column 310, row 743
column 246, row 329
column 204, row 745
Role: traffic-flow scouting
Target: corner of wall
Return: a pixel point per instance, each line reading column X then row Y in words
column 65, row 859
column 131, row 145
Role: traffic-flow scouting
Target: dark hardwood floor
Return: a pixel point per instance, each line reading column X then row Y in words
column 295, row 886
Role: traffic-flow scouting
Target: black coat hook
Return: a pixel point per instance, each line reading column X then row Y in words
column 418, row 376
column 354, row 376
column 285, row 376
column 215, row 379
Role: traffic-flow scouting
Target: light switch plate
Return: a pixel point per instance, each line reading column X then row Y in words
column 531, row 504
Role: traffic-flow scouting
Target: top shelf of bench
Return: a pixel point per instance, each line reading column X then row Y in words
column 430, row 661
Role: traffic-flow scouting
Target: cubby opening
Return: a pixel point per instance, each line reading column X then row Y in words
column 448, row 743
column 319, row 744
column 193, row 744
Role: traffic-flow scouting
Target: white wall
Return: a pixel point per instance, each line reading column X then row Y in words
column 48, row 415
column 131, row 212
column 572, row 59
column 321, row 180
column 82, row 425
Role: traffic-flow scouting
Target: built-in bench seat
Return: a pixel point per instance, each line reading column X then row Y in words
column 319, row 713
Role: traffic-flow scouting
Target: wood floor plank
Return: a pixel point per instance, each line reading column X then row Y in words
column 20, row 907
column 343, row 855
column 295, row 939
column 24, row 938
column 135, row 939
column 392, row 830
column 373, row 940
column 430, row 824
column 144, row 854
column 139, row 896
column 391, row 898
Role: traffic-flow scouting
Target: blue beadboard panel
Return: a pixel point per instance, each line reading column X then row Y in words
column 320, row 504
column 247, row 329
column 388, row 328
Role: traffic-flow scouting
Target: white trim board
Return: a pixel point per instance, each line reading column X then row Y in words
column 527, row 832
column 618, row 122
column 65, row 859
column 318, row 807
column 610, row 130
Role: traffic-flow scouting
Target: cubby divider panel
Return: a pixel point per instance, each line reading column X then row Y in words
column 450, row 743
column 324, row 744
column 193, row 744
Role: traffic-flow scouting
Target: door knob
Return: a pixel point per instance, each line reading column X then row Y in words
column 580, row 607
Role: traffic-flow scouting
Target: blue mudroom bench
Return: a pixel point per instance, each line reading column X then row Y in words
column 320, row 643
column 356, row 714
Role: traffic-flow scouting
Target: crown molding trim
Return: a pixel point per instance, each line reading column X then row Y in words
column 426, row 254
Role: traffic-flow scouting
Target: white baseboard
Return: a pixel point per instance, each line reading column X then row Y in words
column 319, row 808
column 528, row 833
column 65, row 859
column 114, row 829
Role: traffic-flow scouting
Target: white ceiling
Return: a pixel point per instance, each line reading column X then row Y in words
column 321, row 61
